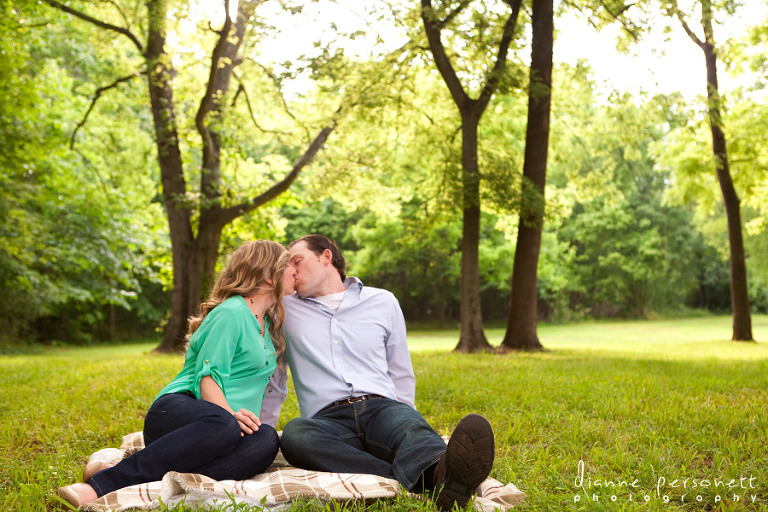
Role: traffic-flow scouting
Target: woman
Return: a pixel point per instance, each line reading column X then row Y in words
column 206, row 420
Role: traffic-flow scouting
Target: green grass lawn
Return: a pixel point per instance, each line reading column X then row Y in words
column 646, row 416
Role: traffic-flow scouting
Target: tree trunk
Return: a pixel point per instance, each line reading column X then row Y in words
column 224, row 58
column 472, row 338
column 521, row 323
column 194, row 274
column 207, row 253
column 171, row 175
column 742, row 319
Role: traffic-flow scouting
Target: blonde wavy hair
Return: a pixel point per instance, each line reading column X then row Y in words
column 252, row 266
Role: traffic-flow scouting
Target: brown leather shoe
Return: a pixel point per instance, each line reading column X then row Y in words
column 466, row 464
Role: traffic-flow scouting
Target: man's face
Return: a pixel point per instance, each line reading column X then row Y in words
column 309, row 269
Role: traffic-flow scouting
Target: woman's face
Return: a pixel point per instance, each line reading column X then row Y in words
column 289, row 280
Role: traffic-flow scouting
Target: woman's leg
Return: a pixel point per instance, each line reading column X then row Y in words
column 252, row 455
column 187, row 435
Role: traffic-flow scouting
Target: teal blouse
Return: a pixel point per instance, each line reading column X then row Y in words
column 230, row 348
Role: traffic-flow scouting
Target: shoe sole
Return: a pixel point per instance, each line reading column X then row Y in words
column 469, row 460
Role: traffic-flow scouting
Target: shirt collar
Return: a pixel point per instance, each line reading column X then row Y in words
column 351, row 283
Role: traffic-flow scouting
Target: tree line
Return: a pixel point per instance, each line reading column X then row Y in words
column 145, row 139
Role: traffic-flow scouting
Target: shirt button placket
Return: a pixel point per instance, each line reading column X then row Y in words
column 337, row 347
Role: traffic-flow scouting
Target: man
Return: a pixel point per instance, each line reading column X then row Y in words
column 347, row 350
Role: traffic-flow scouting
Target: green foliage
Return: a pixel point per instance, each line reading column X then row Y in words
column 327, row 217
column 414, row 257
column 633, row 253
column 633, row 257
column 72, row 245
column 684, row 154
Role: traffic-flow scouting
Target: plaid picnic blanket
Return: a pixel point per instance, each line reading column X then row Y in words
column 276, row 488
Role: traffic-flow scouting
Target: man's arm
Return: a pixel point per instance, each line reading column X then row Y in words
column 274, row 396
column 399, row 357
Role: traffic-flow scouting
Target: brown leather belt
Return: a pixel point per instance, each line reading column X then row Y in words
column 350, row 400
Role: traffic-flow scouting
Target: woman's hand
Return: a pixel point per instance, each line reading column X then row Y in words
column 210, row 391
column 249, row 422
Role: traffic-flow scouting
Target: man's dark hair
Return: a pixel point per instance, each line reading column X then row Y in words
column 318, row 244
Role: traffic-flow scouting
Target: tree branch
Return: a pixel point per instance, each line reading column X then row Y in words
column 229, row 214
column 688, row 30
column 432, row 27
column 224, row 58
column 617, row 16
column 462, row 5
column 494, row 77
column 119, row 10
column 95, row 171
column 98, row 23
column 241, row 89
column 276, row 81
column 94, row 99
column 207, row 103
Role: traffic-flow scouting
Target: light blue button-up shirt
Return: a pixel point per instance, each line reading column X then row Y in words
column 359, row 349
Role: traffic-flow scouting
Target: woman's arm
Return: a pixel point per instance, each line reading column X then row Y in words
column 211, row 392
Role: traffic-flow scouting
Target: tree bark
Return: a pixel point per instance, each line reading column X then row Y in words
column 224, row 58
column 742, row 318
column 521, row 324
column 171, row 174
column 472, row 337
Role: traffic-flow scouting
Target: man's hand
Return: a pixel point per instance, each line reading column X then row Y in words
column 249, row 422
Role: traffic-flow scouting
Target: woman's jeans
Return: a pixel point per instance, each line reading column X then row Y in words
column 378, row 436
column 184, row 434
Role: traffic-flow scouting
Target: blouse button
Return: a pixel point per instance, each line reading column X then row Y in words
column 207, row 362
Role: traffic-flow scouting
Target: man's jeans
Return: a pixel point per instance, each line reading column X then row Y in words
column 188, row 435
column 377, row 436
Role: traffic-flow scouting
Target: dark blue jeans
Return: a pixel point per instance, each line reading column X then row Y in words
column 378, row 436
column 188, row 435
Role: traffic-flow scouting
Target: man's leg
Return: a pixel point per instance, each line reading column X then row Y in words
column 399, row 434
column 420, row 459
column 387, row 438
column 330, row 441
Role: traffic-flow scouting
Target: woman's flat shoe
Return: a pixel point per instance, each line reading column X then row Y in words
column 70, row 495
column 94, row 467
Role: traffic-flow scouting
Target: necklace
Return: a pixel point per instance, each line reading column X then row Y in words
column 263, row 335
column 261, row 328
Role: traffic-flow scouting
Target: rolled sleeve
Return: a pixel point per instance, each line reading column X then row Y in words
column 215, row 343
